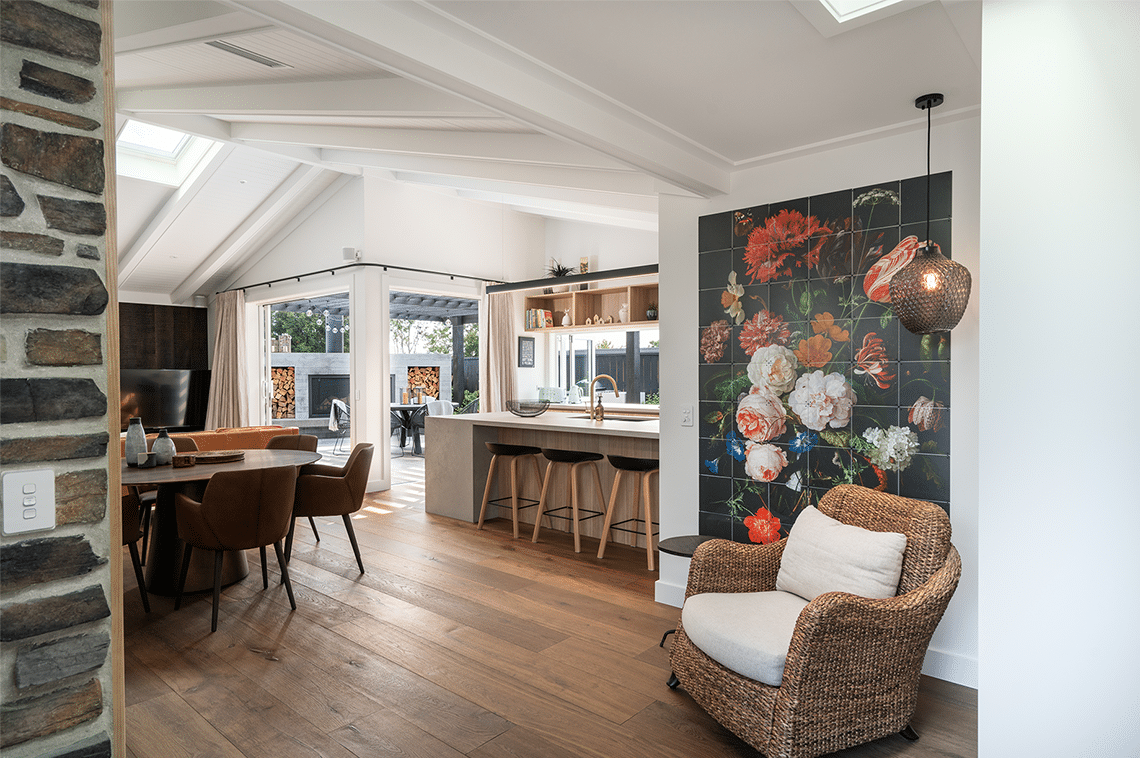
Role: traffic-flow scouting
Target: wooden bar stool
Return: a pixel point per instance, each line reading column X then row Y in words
column 642, row 468
column 576, row 459
column 514, row 452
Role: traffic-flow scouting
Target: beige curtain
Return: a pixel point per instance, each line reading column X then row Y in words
column 497, row 365
column 228, row 405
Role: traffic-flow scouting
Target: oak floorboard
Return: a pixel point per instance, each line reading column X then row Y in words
column 455, row 642
column 387, row 734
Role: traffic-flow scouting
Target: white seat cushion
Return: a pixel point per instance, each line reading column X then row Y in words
column 746, row 632
column 825, row 555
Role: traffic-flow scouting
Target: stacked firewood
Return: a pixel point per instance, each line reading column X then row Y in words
column 426, row 377
column 284, row 392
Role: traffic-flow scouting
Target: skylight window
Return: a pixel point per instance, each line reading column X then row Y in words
column 154, row 140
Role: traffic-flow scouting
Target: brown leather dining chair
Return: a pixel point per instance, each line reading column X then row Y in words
column 148, row 496
column 295, row 442
column 240, row 510
column 132, row 530
column 324, row 490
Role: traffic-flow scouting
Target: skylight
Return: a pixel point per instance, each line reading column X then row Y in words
column 155, row 140
column 845, row 10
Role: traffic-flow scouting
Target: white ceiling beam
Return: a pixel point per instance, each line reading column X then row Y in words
column 178, row 202
column 596, row 214
column 169, row 24
column 297, row 191
column 572, row 196
column 594, row 180
column 538, row 149
column 420, row 43
column 351, row 97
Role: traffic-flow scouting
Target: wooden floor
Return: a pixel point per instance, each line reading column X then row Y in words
column 455, row 642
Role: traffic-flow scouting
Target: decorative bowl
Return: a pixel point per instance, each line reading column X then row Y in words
column 527, row 408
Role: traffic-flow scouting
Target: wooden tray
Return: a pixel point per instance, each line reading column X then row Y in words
column 219, row 456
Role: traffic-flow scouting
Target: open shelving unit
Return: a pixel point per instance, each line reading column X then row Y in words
column 603, row 303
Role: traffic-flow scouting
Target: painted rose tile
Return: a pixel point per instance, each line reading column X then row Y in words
column 807, row 380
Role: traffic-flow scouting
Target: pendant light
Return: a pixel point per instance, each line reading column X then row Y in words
column 930, row 293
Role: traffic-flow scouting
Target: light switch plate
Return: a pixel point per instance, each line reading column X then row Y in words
column 686, row 415
column 29, row 501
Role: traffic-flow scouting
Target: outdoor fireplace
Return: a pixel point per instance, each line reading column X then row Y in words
column 322, row 389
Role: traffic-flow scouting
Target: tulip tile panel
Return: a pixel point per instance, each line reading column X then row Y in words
column 807, row 378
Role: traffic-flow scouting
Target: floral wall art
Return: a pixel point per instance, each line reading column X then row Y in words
column 807, row 379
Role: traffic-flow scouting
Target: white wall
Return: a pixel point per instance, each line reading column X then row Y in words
column 953, row 653
column 607, row 247
column 1060, row 602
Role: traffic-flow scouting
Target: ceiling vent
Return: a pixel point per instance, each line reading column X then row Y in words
column 247, row 54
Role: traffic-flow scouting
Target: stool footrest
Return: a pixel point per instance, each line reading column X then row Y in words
column 524, row 502
column 554, row 513
column 617, row 525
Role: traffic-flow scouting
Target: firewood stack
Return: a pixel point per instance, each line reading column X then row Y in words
column 284, row 392
column 426, row 377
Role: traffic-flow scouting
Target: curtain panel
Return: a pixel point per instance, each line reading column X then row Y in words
column 227, row 406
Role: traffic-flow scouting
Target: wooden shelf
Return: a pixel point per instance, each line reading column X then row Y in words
column 586, row 304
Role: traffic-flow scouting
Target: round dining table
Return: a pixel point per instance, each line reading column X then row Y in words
column 164, row 556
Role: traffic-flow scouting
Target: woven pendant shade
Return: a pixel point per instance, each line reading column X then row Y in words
column 931, row 292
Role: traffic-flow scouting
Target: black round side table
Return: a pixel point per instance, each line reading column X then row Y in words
column 684, row 546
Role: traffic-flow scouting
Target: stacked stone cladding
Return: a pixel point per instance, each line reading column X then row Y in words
column 55, row 291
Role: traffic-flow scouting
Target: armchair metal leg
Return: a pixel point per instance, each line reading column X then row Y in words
column 264, row 570
column 908, row 733
column 284, row 573
column 289, row 543
column 352, row 539
column 314, row 525
column 187, row 548
column 673, row 681
column 666, row 636
column 218, row 554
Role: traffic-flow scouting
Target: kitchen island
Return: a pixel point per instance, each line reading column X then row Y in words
column 457, row 460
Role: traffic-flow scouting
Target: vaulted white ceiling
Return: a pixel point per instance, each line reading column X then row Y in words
column 574, row 110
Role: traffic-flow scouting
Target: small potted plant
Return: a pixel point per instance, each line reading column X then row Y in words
column 651, row 311
column 556, row 271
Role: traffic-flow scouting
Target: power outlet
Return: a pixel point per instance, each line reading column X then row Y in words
column 686, row 415
column 29, row 501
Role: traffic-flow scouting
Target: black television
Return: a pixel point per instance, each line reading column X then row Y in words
column 173, row 399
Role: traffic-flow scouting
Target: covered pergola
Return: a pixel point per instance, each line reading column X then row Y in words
column 409, row 306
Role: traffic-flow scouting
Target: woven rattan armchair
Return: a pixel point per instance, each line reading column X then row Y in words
column 852, row 670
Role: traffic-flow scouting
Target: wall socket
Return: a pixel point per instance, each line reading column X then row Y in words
column 29, row 501
column 686, row 415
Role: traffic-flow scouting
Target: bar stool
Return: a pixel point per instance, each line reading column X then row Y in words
column 576, row 459
column 514, row 452
column 643, row 468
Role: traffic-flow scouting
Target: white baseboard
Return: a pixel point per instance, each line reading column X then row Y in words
column 669, row 594
column 951, row 667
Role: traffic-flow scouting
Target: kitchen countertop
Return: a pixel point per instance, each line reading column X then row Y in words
column 565, row 422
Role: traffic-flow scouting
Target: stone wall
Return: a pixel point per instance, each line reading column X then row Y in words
column 55, row 586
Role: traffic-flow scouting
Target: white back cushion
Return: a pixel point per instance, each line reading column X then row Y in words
column 825, row 555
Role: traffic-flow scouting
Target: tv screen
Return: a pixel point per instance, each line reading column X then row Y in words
column 164, row 398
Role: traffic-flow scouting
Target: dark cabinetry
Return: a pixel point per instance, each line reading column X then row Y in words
column 163, row 336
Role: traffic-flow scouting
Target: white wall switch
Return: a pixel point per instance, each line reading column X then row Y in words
column 29, row 501
column 686, row 415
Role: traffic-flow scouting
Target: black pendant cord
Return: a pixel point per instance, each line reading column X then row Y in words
column 928, row 109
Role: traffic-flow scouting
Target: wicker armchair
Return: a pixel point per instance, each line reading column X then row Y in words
column 852, row 670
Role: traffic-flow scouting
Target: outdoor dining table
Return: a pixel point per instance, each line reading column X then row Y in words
column 164, row 556
column 407, row 412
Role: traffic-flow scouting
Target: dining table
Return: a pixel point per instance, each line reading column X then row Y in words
column 164, row 555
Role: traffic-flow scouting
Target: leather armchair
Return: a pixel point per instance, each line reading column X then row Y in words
column 324, row 490
column 239, row 510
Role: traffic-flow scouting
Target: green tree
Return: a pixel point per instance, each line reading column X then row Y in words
column 470, row 340
column 307, row 332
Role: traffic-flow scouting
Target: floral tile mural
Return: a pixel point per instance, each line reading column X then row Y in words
column 807, row 379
